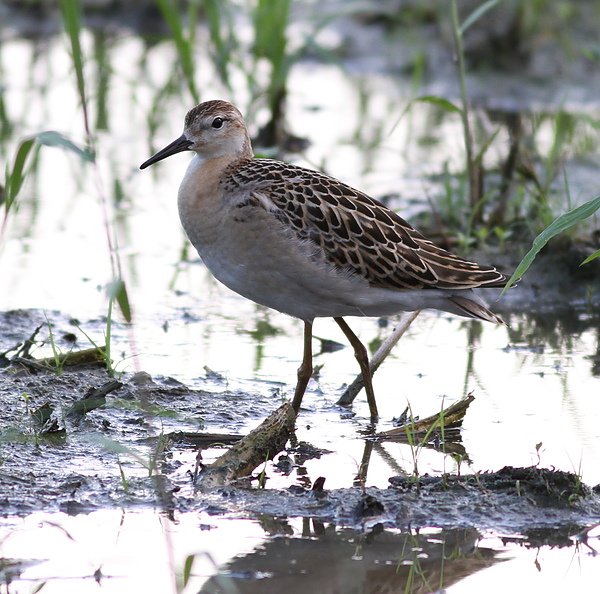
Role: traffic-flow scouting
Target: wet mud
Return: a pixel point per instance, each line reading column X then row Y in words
column 127, row 451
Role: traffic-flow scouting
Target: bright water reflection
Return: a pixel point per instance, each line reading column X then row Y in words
column 145, row 551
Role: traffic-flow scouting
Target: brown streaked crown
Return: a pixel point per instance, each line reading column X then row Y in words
column 213, row 108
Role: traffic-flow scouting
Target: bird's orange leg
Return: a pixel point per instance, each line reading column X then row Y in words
column 360, row 352
column 305, row 370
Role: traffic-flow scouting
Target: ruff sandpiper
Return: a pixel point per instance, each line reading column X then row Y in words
column 306, row 244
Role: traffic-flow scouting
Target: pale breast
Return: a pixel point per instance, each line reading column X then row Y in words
column 256, row 256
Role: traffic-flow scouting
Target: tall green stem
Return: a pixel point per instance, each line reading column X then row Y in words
column 473, row 170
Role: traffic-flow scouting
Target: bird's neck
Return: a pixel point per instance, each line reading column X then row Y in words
column 200, row 198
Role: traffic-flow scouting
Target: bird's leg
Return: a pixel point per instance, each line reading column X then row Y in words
column 380, row 354
column 305, row 370
column 360, row 352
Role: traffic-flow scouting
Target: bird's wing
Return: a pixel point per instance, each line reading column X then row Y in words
column 355, row 232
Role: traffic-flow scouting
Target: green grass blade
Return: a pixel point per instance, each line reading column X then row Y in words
column 6, row 126
column 439, row 102
column 216, row 18
column 104, row 69
column 187, row 568
column 486, row 145
column 591, row 257
column 473, row 170
column 184, row 46
column 16, row 176
column 477, row 14
column 114, row 447
column 70, row 10
column 52, row 138
column 562, row 223
column 270, row 20
column 118, row 291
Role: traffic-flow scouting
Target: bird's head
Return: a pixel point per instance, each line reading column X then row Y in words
column 212, row 129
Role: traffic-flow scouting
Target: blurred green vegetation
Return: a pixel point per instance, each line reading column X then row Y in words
column 513, row 181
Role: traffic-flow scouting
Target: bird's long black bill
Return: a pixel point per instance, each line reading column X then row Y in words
column 177, row 146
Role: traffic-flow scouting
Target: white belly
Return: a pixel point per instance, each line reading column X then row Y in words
column 278, row 271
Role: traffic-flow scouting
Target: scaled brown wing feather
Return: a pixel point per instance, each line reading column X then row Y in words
column 361, row 235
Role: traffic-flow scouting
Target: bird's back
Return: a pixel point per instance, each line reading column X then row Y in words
column 353, row 231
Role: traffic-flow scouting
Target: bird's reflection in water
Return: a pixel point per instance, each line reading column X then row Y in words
column 327, row 560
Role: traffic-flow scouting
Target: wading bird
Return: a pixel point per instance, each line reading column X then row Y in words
column 306, row 244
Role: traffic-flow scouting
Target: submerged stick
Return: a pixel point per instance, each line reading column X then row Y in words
column 202, row 440
column 382, row 352
column 261, row 444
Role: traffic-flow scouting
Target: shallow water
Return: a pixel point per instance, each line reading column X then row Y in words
column 142, row 551
column 535, row 383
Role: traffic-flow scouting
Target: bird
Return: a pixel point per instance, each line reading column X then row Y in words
column 308, row 245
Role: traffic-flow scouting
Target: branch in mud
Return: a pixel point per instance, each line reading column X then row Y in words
column 447, row 420
column 261, row 444
column 94, row 398
column 202, row 440
column 22, row 350
column 84, row 357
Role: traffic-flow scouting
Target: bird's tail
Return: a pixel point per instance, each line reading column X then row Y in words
column 472, row 309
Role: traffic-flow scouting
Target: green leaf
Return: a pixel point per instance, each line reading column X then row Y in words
column 591, row 257
column 434, row 100
column 184, row 46
column 51, row 138
column 115, row 447
column 71, row 16
column 187, row 568
column 562, row 223
column 486, row 145
column 477, row 14
column 16, row 175
column 118, row 291
column 439, row 102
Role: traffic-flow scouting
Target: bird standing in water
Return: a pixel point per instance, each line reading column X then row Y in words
column 306, row 244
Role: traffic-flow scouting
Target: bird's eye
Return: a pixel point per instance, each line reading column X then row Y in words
column 217, row 123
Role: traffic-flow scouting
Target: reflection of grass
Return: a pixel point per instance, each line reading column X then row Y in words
column 417, row 440
column 477, row 207
column 473, row 166
column 270, row 20
column 71, row 16
column 416, row 577
column 519, row 194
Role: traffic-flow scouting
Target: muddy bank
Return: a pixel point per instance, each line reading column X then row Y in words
column 544, row 505
column 139, row 449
